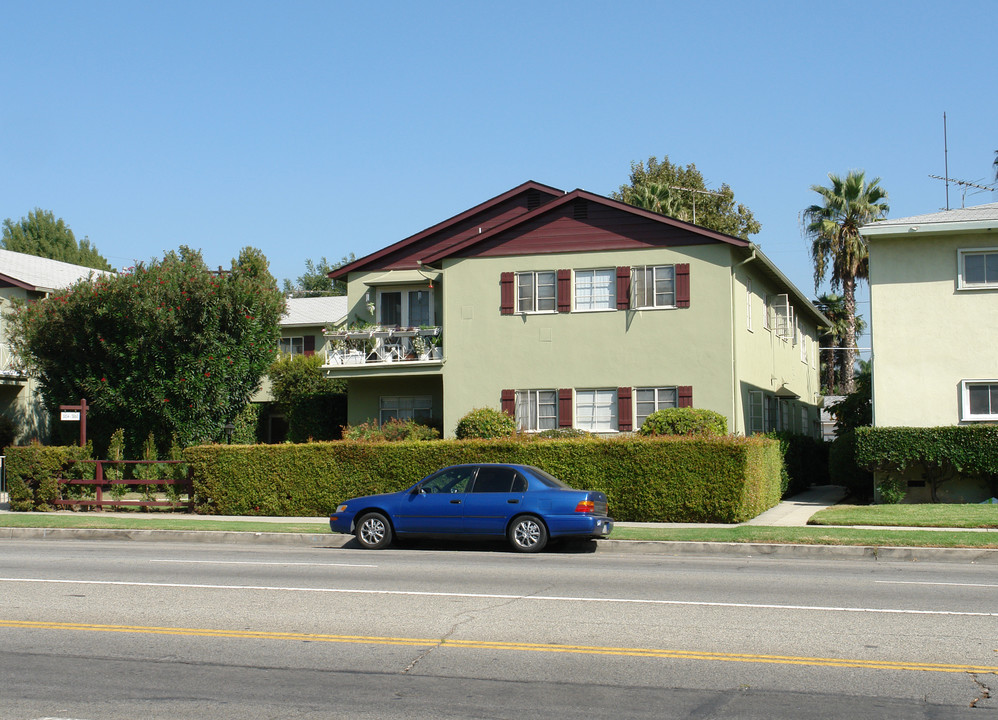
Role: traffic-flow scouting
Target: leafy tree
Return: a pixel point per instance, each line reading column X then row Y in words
column 315, row 282
column 833, row 362
column 41, row 235
column 171, row 348
column 838, row 248
column 315, row 404
column 669, row 189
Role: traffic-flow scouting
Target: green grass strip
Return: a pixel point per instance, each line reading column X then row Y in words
column 928, row 515
column 148, row 522
column 814, row 536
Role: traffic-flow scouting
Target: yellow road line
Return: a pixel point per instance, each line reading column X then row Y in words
column 515, row 646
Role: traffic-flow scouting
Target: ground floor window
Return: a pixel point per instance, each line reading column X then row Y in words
column 292, row 345
column 537, row 409
column 980, row 400
column 405, row 407
column 596, row 410
column 648, row 400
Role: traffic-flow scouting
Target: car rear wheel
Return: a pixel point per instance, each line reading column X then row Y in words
column 528, row 534
column 373, row 531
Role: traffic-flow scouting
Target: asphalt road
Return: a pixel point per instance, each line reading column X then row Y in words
column 105, row 630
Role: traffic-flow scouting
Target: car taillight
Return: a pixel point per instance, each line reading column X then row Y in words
column 586, row 506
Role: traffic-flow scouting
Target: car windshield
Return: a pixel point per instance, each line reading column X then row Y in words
column 548, row 479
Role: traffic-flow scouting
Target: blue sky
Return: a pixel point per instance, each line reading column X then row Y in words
column 311, row 129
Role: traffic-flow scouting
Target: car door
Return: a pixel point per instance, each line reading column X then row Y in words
column 436, row 505
column 495, row 496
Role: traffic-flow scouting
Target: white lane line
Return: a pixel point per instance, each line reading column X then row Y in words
column 255, row 562
column 927, row 582
column 492, row 596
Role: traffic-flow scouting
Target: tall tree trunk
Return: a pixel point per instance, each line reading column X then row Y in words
column 827, row 355
column 849, row 341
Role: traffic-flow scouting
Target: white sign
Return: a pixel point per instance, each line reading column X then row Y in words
column 70, row 415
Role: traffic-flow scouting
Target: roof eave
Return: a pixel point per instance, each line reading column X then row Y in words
column 914, row 229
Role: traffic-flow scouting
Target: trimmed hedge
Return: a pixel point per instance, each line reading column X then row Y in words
column 685, row 421
column 729, row 479
column 805, row 461
column 32, row 472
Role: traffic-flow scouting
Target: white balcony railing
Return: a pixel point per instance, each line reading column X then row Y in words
column 9, row 365
column 379, row 345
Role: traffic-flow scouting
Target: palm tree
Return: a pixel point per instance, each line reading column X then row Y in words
column 833, row 364
column 836, row 245
column 657, row 198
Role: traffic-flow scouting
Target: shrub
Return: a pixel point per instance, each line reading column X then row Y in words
column 33, row 474
column 843, row 470
column 562, row 434
column 685, row 421
column 8, row 431
column 805, row 461
column 485, row 424
column 394, row 430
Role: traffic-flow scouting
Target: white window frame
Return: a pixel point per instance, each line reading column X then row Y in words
column 803, row 419
column 597, row 285
column 783, row 317
column 757, row 412
column 644, row 295
column 748, row 304
column 420, row 407
column 962, row 283
column 288, row 346
column 404, row 290
column 965, row 411
column 659, row 400
column 530, row 411
column 588, row 404
column 535, row 300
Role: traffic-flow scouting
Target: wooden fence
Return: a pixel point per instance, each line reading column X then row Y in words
column 100, row 482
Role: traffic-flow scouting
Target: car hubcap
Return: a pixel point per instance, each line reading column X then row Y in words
column 527, row 534
column 372, row 532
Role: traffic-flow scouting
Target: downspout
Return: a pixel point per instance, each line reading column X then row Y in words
column 735, row 395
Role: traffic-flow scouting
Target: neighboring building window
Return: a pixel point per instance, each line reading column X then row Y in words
column 979, row 269
column 748, row 304
column 596, row 410
column 648, row 400
column 594, row 289
column 292, row 345
column 537, row 409
column 405, row 407
column 653, row 287
column 980, row 399
column 535, row 292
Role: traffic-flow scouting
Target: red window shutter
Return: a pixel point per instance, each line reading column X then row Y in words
column 623, row 288
column 685, row 396
column 564, row 291
column 506, row 294
column 310, row 344
column 625, row 417
column 683, row 285
column 507, row 402
column 565, row 408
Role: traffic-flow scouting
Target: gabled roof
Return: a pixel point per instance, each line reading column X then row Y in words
column 467, row 246
column 979, row 217
column 40, row 274
column 314, row 311
column 368, row 261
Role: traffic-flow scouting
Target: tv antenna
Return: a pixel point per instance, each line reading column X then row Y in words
column 695, row 191
column 964, row 184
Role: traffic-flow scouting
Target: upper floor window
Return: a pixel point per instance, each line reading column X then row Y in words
column 292, row 345
column 535, row 292
column 979, row 268
column 980, row 400
column 405, row 308
column 594, row 289
column 537, row 409
column 780, row 314
column 653, row 286
column 748, row 304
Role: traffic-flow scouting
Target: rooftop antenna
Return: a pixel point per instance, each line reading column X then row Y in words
column 695, row 191
column 964, row 184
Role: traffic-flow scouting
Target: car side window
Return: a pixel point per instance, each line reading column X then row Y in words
column 519, row 483
column 451, row 480
column 494, row 480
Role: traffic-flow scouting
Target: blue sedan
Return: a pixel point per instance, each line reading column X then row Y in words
column 519, row 502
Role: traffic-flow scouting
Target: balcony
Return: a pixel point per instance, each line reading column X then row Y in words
column 10, row 367
column 354, row 349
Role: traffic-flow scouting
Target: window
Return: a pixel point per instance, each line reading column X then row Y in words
column 596, row 410
column 449, row 480
column 594, row 289
column 537, row 409
column 413, row 407
column 405, row 308
column 648, row 400
column 748, row 304
column 757, row 412
column 653, row 286
column 782, row 320
column 980, row 400
column 535, row 292
column 498, row 480
column 292, row 345
column 979, row 269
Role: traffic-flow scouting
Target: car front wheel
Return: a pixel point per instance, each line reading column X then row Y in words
column 528, row 534
column 373, row 531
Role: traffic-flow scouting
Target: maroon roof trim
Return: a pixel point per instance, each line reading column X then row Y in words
column 367, row 260
column 14, row 282
column 591, row 197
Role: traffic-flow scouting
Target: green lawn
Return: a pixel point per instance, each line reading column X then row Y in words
column 930, row 515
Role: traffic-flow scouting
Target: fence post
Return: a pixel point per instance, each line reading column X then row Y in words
column 99, row 477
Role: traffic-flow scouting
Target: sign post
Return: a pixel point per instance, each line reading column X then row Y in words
column 76, row 413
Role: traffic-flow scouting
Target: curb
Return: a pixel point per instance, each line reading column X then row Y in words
column 637, row 547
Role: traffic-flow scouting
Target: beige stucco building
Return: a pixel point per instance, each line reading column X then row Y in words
column 575, row 310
